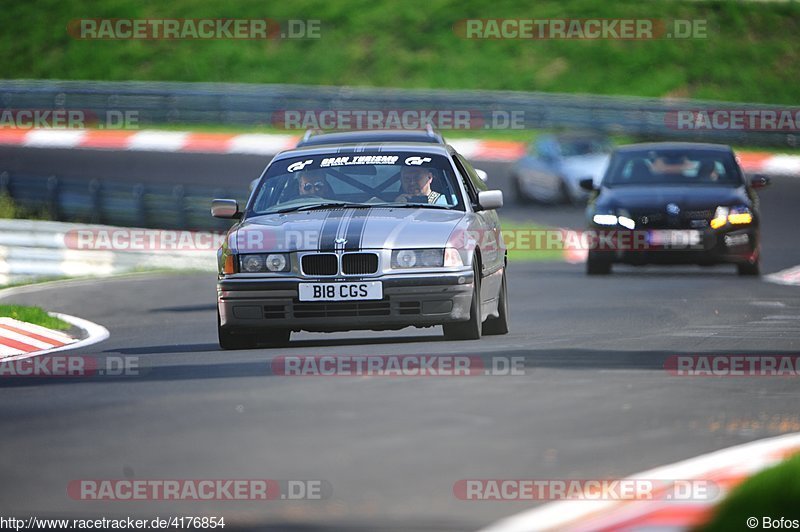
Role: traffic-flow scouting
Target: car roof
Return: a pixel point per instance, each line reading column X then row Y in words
column 688, row 146
column 579, row 135
column 375, row 135
column 356, row 148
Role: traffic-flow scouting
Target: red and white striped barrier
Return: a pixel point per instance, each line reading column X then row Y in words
column 726, row 468
column 19, row 337
column 270, row 144
column 187, row 142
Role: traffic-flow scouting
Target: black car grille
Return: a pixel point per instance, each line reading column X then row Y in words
column 359, row 263
column 686, row 219
column 338, row 309
column 320, row 264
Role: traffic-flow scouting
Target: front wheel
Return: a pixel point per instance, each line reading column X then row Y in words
column 597, row 264
column 470, row 329
column 749, row 268
column 499, row 325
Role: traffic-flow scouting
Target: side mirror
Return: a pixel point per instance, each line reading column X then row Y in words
column 759, row 181
column 490, row 199
column 587, row 184
column 482, row 174
column 225, row 208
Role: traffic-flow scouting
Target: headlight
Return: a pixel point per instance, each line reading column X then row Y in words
column 720, row 217
column 622, row 218
column 257, row 263
column 626, row 222
column 452, row 258
column 605, row 219
column 418, row 258
column 739, row 215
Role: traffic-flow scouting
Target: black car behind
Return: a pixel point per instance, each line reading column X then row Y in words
column 674, row 203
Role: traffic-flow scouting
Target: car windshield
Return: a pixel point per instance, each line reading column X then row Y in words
column 363, row 178
column 673, row 167
column 584, row 146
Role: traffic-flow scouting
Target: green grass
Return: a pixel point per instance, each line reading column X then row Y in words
column 33, row 315
column 774, row 492
column 521, row 240
column 750, row 53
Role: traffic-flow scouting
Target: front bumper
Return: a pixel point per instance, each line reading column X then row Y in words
column 732, row 245
column 422, row 299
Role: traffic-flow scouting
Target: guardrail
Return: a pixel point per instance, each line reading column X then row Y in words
column 158, row 103
column 115, row 203
column 31, row 249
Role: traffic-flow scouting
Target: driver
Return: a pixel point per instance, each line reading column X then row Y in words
column 416, row 181
column 314, row 183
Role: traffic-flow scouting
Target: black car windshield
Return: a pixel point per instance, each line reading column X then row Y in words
column 364, row 178
column 673, row 167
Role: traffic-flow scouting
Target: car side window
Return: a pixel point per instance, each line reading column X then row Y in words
column 465, row 177
column 476, row 180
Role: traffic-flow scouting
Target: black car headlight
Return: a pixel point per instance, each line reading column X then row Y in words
column 737, row 215
column 264, row 263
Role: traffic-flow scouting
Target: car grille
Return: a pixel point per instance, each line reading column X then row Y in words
column 342, row 310
column 359, row 263
column 660, row 220
column 320, row 264
column 331, row 309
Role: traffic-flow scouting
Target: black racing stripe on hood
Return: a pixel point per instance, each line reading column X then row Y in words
column 329, row 229
column 355, row 229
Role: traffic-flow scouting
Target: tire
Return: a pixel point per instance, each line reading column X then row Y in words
column 499, row 325
column 470, row 329
column 520, row 196
column 596, row 264
column 749, row 268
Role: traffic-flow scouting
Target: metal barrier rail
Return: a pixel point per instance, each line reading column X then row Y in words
column 31, row 249
column 115, row 203
column 250, row 104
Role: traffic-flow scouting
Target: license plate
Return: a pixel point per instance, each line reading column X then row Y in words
column 675, row 238
column 341, row 291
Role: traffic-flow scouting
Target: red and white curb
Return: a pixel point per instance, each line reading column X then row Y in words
column 19, row 337
column 271, row 143
column 726, row 468
column 790, row 276
column 20, row 340
column 223, row 143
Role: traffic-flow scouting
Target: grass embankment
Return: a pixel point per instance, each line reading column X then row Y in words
column 34, row 315
column 773, row 493
column 749, row 54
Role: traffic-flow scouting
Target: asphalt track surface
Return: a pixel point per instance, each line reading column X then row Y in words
column 595, row 400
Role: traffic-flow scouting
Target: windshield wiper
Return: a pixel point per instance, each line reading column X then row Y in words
column 324, row 205
column 413, row 205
